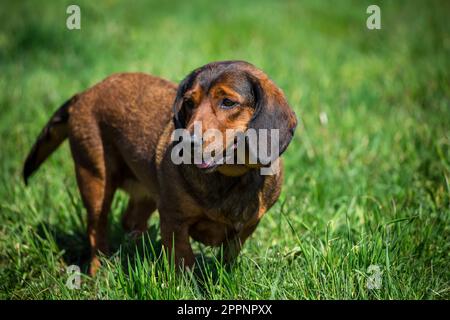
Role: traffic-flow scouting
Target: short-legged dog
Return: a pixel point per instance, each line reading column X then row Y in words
column 120, row 137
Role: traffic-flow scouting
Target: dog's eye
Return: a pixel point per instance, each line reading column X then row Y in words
column 189, row 104
column 227, row 103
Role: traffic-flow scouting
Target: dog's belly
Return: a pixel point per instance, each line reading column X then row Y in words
column 209, row 232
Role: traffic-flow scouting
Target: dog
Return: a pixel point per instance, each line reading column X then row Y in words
column 120, row 134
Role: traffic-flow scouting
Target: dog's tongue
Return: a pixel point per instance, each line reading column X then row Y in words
column 205, row 165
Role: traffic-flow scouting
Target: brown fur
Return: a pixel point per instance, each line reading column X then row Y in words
column 119, row 132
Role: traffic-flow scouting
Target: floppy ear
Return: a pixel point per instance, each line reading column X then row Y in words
column 179, row 111
column 272, row 111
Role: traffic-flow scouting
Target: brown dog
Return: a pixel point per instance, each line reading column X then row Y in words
column 120, row 137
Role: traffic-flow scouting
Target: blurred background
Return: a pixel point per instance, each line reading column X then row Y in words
column 367, row 175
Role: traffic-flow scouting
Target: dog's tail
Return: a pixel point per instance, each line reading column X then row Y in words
column 51, row 136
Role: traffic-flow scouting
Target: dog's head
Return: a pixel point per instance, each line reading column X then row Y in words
column 233, row 95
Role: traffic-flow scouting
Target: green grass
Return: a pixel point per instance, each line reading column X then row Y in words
column 370, row 187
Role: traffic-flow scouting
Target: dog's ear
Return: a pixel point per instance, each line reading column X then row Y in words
column 179, row 110
column 272, row 111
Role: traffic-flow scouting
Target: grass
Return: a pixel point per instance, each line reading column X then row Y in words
column 370, row 186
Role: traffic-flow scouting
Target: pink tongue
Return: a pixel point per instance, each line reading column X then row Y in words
column 204, row 165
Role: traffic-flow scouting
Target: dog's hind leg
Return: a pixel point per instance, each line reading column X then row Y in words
column 95, row 164
column 97, row 194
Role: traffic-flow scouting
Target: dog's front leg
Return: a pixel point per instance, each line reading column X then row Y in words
column 233, row 246
column 175, row 238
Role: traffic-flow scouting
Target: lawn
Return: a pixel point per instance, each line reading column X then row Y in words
column 367, row 186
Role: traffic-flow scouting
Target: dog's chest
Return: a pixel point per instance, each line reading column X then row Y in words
column 234, row 209
column 232, row 202
column 225, row 215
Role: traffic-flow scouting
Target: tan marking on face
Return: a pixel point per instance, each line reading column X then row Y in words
column 195, row 94
column 212, row 116
column 222, row 91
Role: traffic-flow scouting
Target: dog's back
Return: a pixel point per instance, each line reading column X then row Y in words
column 129, row 111
column 127, row 107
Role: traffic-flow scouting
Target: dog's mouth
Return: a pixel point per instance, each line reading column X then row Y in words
column 211, row 165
